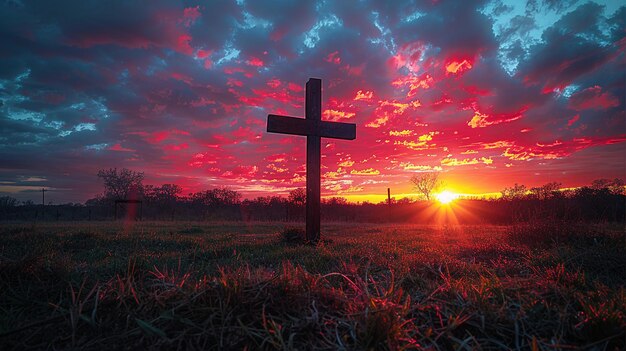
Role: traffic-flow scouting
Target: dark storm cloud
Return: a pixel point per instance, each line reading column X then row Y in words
column 578, row 54
column 573, row 47
column 457, row 28
column 289, row 19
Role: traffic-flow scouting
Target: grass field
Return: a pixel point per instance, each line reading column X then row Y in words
column 239, row 286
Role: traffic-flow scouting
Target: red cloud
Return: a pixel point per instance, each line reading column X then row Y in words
column 239, row 171
column 480, row 120
column 423, row 81
column 176, row 147
column 407, row 56
column 454, row 162
column 593, row 98
column 401, row 133
column 190, row 15
column 573, row 120
column 119, row 147
column 282, row 96
column 558, row 149
column 157, row 137
column 202, row 54
column 333, row 57
column 255, row 62
column 273, row 83
column 364, row 95
column 182, row 44
column 354, row 70
column 497, row 144
column 245, row 134
column 277, row 158
column 455, row 66
column 368, row 171
column 387, row 109
column 181, row 77
column 334, row 115
column 295, row 87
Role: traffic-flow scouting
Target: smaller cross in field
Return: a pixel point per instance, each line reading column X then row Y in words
column 314, row 129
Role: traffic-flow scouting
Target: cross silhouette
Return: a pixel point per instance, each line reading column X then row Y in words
column 314, row 129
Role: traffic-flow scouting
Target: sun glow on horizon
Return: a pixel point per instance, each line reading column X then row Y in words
column 445, row 197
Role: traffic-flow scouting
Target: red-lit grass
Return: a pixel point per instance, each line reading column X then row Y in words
column 238, row 286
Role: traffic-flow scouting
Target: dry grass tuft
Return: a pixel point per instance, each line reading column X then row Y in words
column 293, row 236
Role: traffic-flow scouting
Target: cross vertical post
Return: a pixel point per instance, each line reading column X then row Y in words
column 313, row 112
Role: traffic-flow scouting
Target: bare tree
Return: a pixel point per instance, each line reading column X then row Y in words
column 7, row 201
column 121, row 185
column 426, row 183
column 297, row 196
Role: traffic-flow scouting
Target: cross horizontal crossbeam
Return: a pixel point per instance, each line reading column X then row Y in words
column 307, row 127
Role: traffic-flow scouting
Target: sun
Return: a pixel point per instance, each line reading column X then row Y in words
column 445, row 197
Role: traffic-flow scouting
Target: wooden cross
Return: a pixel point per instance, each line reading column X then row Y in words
column 313, row 128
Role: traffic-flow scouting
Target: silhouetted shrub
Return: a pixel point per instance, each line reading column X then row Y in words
column 292, row 236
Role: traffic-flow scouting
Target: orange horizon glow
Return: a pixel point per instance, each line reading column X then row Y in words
column 382, row 198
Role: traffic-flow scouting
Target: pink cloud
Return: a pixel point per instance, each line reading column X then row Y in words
column 334, row 115
column 181, row 77
column 255, row 62
column 593, row 98
column 573, row 120
column 119, row 147
column 480, row 120
column 176, row 147
column 273, row 83
column 182, row 44
column 333, row 57
column 190, row 15
column 295, row 87
column 423, row 81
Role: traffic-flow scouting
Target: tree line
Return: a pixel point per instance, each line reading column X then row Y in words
column 602, row 200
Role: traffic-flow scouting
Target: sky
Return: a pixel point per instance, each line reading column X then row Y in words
column 489, row 93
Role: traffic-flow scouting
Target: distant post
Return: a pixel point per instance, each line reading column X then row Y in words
column 43, row 203
column 314, row 129
column 389, row 204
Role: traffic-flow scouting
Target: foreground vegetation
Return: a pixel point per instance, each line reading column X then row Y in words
column 544, row 286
